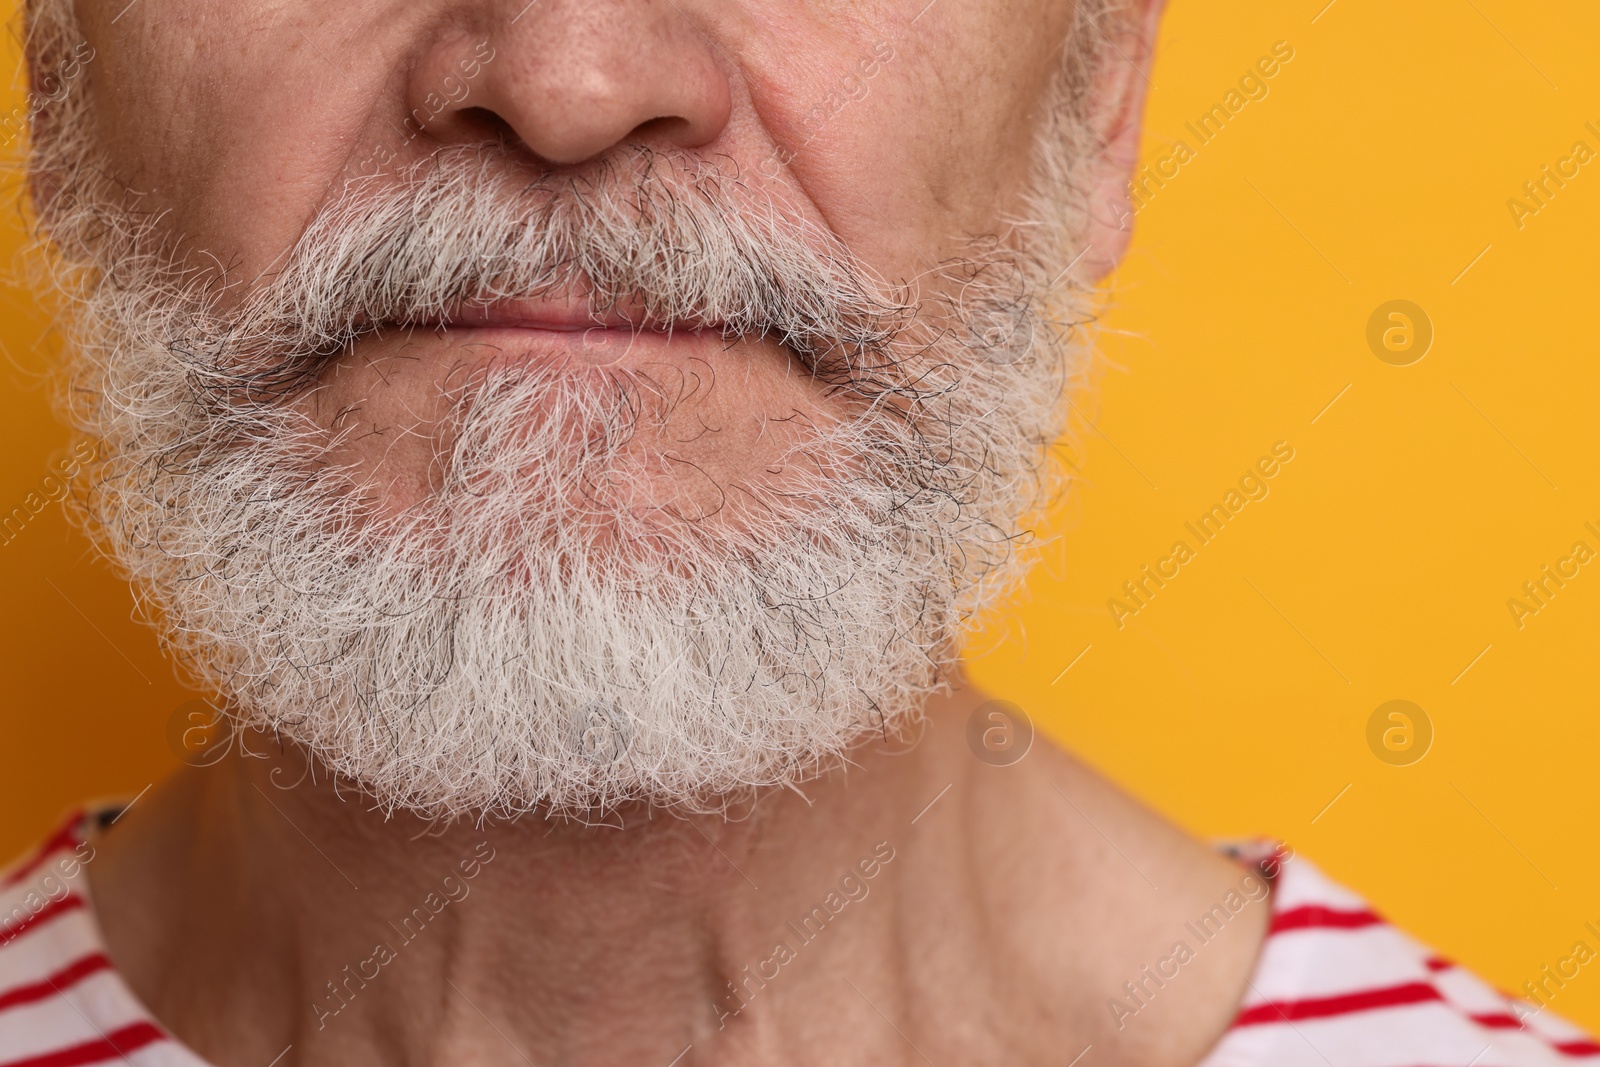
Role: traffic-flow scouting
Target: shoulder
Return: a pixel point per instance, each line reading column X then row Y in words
column 42, row 886
column 60, row 998
column 1336, row 982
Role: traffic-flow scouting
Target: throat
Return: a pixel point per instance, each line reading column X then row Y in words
column 250, row 917
column 926, row 904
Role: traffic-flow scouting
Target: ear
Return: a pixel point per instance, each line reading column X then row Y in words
column 1122, row 82
column 56, row 59
column 41, row 55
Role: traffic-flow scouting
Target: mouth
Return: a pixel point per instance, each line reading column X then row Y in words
column 567, row 325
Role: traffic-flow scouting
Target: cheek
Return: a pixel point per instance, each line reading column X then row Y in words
column 227, row 121
column 939, row 142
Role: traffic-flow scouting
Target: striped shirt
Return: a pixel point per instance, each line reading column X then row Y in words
column 62, row 1004
column 1335, row 985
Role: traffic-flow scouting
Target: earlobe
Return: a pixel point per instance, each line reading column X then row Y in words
column 1124, row 82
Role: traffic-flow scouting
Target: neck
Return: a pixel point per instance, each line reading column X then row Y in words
column 255, row 913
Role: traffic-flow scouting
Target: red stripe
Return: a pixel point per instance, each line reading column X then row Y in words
column 65, row 978
column 61, row 840
column 52, row 910
column 1343, row 1004
column 1318, row 916
column 116, row 1044
column 1439, row 963
column 1579, row 1048
column 1497, row 1020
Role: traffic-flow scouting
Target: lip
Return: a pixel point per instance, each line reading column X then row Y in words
column 556, row 324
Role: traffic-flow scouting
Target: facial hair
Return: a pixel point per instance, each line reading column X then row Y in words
column 538, row 632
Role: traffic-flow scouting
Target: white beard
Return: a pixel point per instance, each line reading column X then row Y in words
column 486, row 651
column 517, row 639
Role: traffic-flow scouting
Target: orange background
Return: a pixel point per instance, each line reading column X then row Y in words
column 1378, row 166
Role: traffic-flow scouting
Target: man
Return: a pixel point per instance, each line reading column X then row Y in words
column 570, row 439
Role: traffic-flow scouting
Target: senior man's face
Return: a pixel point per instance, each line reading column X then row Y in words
column 574, row 401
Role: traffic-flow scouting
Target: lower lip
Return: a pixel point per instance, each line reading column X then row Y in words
column 597, row 346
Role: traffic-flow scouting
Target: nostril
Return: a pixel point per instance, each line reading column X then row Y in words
column 481, row 124
column 667, row 127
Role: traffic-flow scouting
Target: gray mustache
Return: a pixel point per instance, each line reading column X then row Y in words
column 684, row 241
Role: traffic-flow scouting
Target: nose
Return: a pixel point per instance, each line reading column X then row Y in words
column 571, row 79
